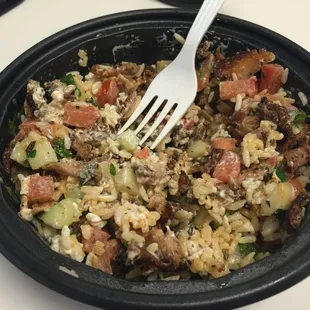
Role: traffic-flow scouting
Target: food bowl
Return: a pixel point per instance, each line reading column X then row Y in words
column 144, row 37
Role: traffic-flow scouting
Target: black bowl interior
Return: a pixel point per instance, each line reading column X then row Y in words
column 144, row 37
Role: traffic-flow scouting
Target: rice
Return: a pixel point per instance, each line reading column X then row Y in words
column 238, row 102
column 179, row 38
column 284, row 76
column 303, row 98
column 110, row 200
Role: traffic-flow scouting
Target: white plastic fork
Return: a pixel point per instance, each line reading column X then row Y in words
column 177, row 83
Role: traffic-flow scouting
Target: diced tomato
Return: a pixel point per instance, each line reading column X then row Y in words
column 271, row 78
column 40, row 189
column 224, row 143
column 188, row 123
column 297, row 186
column 272, row 161
column 230, row 89
column 108, row 93
column 228, row 168
column 203, row 74
column 143, row 154
column 83, row 116
column 96, row 235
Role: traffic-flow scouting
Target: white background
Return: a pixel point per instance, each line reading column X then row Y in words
column 34, row 20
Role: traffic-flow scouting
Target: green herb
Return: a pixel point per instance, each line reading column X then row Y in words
column 91, row 100
column 32, row 154
column 112, row 169
column 78, row 92
column 30, row 151
column 201, row 74
column 247, row 248
column 281, row 174
column 68, row 79
column 60, row 149
column 125, row 243
column 300, row 118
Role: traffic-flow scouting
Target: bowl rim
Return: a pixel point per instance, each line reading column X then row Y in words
column 75, row 288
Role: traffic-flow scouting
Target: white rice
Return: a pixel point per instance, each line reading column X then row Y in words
column 285, row 76
column 303, row 98
column 179, row 38
column 211, row 96
column 234, row 76
column 238, row 102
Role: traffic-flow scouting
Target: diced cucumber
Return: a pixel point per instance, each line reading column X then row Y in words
column 62, row 214
column 128, row 140
column 125, row 181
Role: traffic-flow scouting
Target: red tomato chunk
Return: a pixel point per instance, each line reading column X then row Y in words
column 271, row 78
column 83, row 116
column 228, row 168
column 230, row 89
column 108, row 93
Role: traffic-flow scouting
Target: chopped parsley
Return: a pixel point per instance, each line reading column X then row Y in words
column 300, row 118
column 69, row 80
column 60, row 149
column 112, row 169
column 91, row 100
column 247, row 248
column 125, row 243
column 30, row 151
column 280, row 174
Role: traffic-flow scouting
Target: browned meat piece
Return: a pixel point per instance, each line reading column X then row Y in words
column 168, row 246
column 276, row 114
column 103, row 250
column 247, row 125
column 295, row 213
column 184, row 183
column 83, row 150
column 201, row 130
column 203, row 50
column 67, row 168
column 144, row 174
column 173, row 157
column 94, row 136
column 297, row 157
column 244, row 65
column 294, row 141
column 233, row 192
column 208, row 163
column 147, row 77
column 125, row 84
column 131, row 103
column 128, row 69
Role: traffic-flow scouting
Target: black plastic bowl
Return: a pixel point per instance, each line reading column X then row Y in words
column 143, row 36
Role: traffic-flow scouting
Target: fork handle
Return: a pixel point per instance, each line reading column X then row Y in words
column 202, row 22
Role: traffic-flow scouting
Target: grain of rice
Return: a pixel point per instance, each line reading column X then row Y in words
column 234, row 76
column 210, row 96
column 303, row 98
column 179, row 38
column 284, row 76
column 238, row 103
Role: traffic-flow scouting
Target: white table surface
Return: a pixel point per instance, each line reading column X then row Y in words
column 34, row 20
